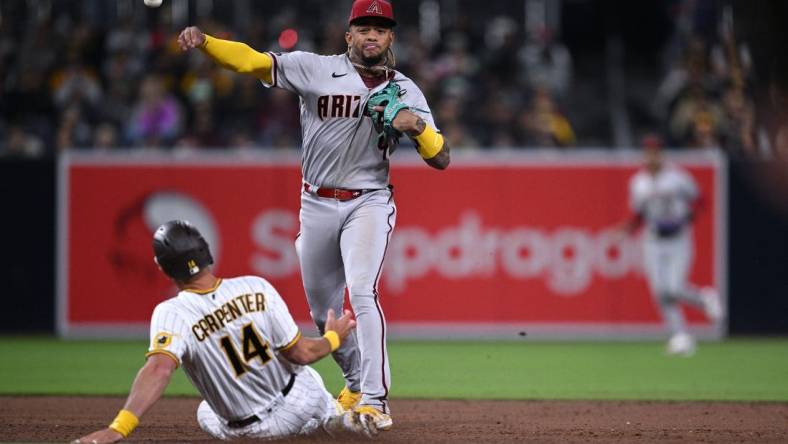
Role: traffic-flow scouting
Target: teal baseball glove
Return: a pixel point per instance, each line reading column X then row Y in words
column 388, row 98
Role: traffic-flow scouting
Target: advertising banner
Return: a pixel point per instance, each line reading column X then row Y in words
column 505, row 245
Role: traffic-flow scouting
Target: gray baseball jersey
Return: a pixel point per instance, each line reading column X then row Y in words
column 340, row 144
column 665, row 201
column 664, row 198
column 226, row 339
column 343, row 244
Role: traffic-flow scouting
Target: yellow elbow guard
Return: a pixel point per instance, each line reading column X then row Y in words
column 125, row 423
column 429, row 143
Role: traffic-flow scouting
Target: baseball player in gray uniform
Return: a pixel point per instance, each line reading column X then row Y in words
column 355, row 107
column 240, row 348
column 664, row 197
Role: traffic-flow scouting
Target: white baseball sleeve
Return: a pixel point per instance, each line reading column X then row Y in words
column 415, row 99
column 168, row 333
column 284, row 331
column 636, row 201
column 293, row 71
column 688, row 186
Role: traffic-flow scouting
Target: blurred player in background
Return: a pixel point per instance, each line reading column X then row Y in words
column 240, row 348
column 664, row 198
column 354, row 109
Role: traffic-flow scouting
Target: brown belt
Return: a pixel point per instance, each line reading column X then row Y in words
column 339, row 194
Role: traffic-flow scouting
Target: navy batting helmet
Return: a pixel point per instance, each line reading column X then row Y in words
column 180, row 250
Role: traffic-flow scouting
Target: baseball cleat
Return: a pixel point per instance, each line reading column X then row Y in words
column 350, row 422
column 381, row 421
column 711, row 304
column 348, row 399
column 681, row 344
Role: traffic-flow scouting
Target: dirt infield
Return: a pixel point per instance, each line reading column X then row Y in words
column 60, row 419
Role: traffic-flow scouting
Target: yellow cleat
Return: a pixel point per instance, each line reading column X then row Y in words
column 382, row 421
column 347, row 399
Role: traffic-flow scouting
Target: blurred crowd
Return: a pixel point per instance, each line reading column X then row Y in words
column 69, row 83
column 705, row 99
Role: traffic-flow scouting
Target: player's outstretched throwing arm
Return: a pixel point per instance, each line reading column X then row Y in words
column 236, row 56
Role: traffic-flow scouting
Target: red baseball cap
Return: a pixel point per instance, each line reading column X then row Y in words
column 651, row 142
column 372, row 8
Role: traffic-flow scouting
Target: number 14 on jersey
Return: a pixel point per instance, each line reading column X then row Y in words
column 252, row 347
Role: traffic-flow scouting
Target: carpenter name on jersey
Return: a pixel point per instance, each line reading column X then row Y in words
column 228, row 312
column 227, row 336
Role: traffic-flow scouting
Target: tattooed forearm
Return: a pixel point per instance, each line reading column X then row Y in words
column 418, row 127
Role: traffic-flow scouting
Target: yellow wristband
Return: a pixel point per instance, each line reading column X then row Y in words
column 125, row 423
column 429, row 142
column 333, row 339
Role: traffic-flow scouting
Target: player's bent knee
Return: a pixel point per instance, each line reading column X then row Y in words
column 362, row 287
column 667, row 297
column 362, row 299
column 364, row 304
column 208, row 421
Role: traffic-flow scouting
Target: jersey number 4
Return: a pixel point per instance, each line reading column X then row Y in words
column 252, row 346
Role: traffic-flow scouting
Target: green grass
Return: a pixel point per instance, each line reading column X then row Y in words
column 731, row 370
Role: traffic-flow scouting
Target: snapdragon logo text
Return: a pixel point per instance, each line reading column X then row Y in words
column 565, row 257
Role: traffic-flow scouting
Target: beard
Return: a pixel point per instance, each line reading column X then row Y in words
column 370, row 60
